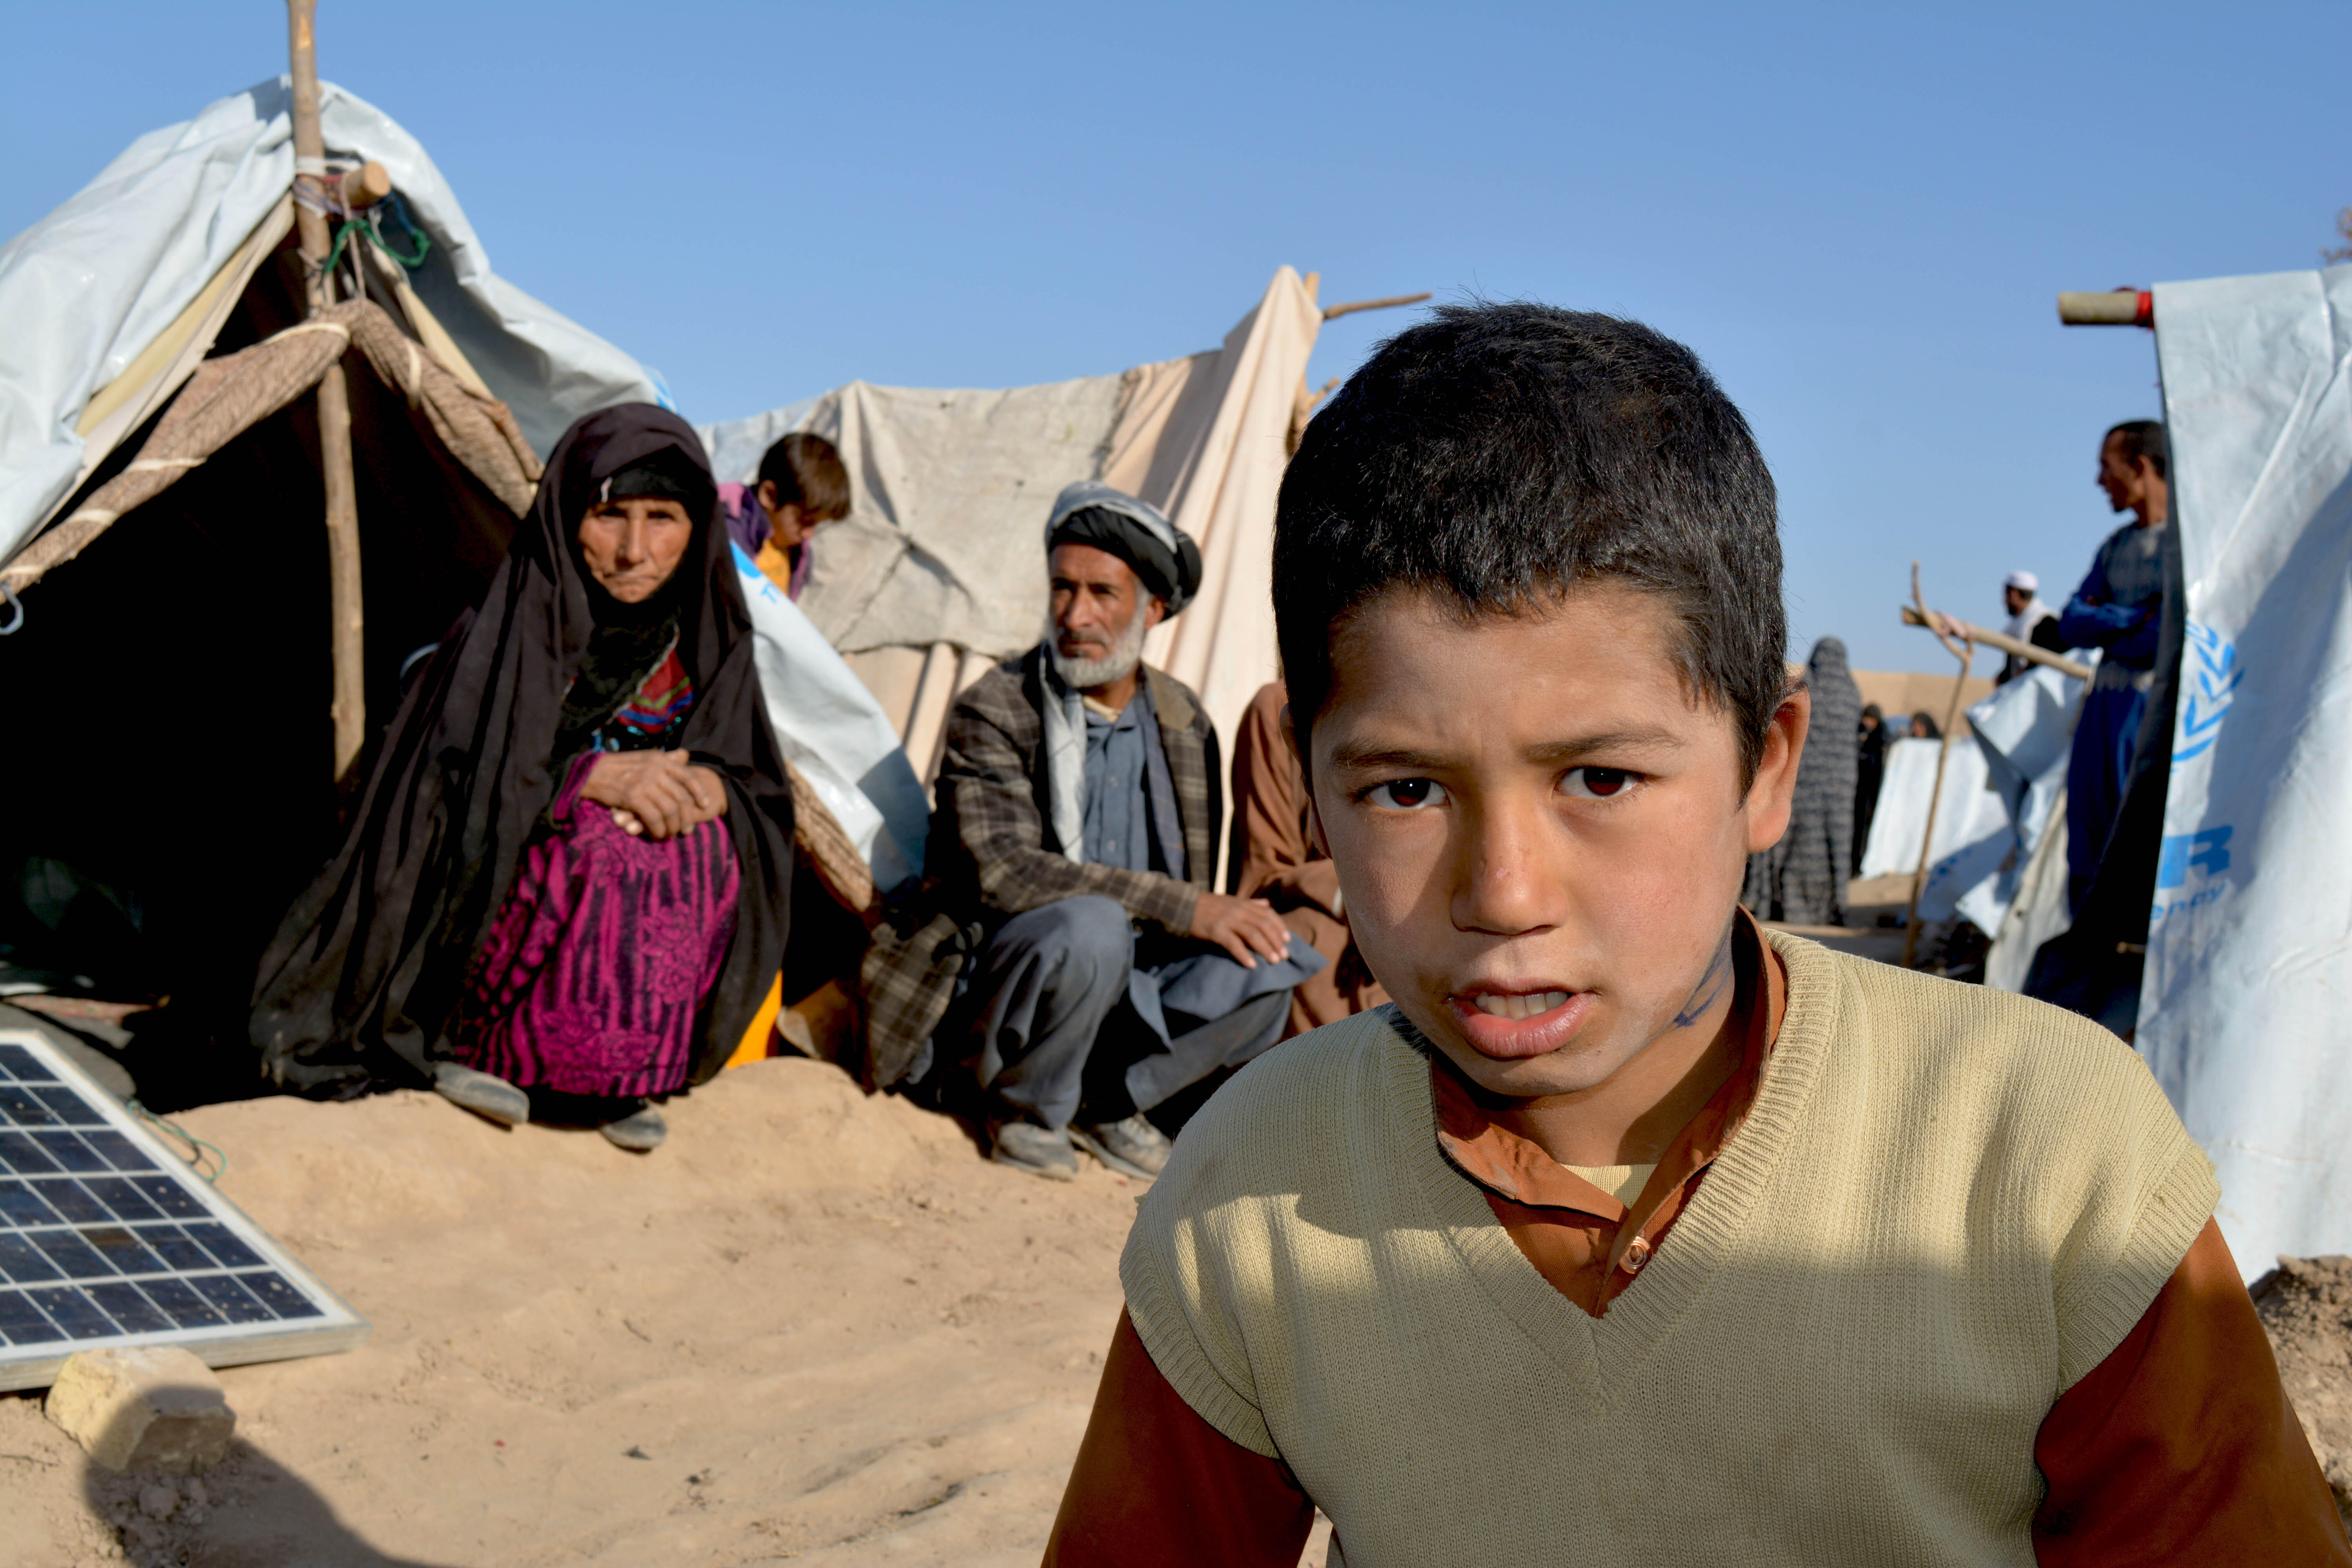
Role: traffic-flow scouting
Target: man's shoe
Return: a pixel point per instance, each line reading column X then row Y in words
column 481, row 1093
column 1040, row 1150
column 641, row 1130
column 1133, row 1147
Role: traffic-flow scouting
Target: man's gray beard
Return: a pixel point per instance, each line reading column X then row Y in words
column 1086, row 674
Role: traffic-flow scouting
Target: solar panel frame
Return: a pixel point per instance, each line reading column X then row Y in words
column 106, row 1234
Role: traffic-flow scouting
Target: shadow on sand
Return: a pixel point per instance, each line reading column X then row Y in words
column 247, row 1511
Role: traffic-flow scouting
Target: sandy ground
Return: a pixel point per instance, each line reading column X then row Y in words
column 2306, row 1305
column 814, row 1327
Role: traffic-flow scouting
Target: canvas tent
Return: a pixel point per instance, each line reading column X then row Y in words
column 2249, row 965
column 164, row 552
column 939, row 572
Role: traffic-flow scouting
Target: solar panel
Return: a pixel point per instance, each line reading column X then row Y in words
column 107, row 1238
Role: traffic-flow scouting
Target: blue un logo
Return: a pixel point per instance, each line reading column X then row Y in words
column 2209, row 684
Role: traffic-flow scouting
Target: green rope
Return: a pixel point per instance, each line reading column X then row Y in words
column 220, row 1159
column 365, row 224
column 375, row 232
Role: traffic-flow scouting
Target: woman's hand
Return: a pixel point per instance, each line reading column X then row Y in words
column 657, row 795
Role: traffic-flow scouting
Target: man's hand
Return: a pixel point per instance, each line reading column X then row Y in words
column 1246, row 928
column 658, row 794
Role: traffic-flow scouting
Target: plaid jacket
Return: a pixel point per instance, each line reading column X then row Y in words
column 994, row 854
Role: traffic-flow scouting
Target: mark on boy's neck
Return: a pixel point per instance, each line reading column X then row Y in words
column 1711, row 985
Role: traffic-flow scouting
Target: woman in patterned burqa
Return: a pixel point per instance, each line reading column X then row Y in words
column 566, row 887
column 1801, row 880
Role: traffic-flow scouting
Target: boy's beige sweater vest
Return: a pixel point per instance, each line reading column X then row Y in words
column 1947, row 1206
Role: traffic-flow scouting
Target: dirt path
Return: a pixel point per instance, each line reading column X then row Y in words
column 814, row 1327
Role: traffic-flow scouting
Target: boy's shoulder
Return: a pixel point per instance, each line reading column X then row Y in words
column 1927, row 1029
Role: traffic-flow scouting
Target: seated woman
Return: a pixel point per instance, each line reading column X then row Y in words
column 571, row 868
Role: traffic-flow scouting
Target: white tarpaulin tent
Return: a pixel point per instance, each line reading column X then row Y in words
column 2249, row 972
column 2002, row 789
column 939, row 572
column 147, row 256
column 109, row 305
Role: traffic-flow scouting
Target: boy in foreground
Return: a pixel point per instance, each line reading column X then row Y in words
column 1632, row 1233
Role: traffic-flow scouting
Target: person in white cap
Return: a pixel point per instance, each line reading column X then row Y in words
column 2020, row 591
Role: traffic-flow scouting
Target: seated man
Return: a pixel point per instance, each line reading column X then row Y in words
column 1074, row 842
column 802, row 486
column 1275, row 858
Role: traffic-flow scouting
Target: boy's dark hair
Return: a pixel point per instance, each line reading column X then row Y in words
column 2140, row 438
column 1497, row 453
column 806, row 469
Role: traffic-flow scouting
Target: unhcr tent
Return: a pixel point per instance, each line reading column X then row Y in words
column 2249, row 970
column 939, row 571
column 163, row 555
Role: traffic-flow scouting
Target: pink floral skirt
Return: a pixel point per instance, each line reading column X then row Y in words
column 591, row 976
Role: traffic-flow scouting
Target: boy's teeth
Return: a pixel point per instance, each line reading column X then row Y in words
column 1525, row 1006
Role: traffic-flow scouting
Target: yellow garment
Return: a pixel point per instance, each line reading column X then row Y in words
column 1946, row 1206
column 753, row 1045
column 775, row 565
column 1623, row 1182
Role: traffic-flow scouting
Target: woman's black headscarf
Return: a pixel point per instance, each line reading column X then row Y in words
column 367, row 969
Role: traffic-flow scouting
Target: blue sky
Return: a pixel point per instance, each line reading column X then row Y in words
column 1858, row 215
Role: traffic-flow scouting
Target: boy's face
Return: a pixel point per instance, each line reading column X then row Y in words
column 1540, row 836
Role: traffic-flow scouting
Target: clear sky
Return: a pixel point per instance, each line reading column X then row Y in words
column 1858, row 215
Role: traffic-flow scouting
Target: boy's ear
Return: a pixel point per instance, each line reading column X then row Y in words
column 1774, row 791
column 1313, row 818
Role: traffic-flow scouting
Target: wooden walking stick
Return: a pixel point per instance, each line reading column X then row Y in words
column 344, row 609
column 1966, row 652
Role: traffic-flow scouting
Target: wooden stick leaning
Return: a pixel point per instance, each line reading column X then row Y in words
column 1966, row 652
column 1913, row 616
column 345, row 609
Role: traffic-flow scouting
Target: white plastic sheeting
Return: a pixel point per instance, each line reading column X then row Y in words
column 90, row 285
column 1969, row 818
column 2000, row 789
column 830, row 727
column 2249, row 976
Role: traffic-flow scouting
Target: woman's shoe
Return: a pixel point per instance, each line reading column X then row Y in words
column 481, row 1093
column 641, row 1130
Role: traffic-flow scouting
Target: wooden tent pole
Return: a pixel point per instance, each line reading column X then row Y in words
column 349, row 708
column 1966, row 653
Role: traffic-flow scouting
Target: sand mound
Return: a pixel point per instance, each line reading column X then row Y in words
column 815, row 1326
column 2306, row 1305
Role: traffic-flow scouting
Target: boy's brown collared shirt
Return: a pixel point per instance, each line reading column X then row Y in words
column 1585, row 1243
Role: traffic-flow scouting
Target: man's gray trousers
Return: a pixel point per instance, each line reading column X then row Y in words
column 1069, row 1004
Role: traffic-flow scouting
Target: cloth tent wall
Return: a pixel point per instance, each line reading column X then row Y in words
column 2249, row 961
column 939, row 572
